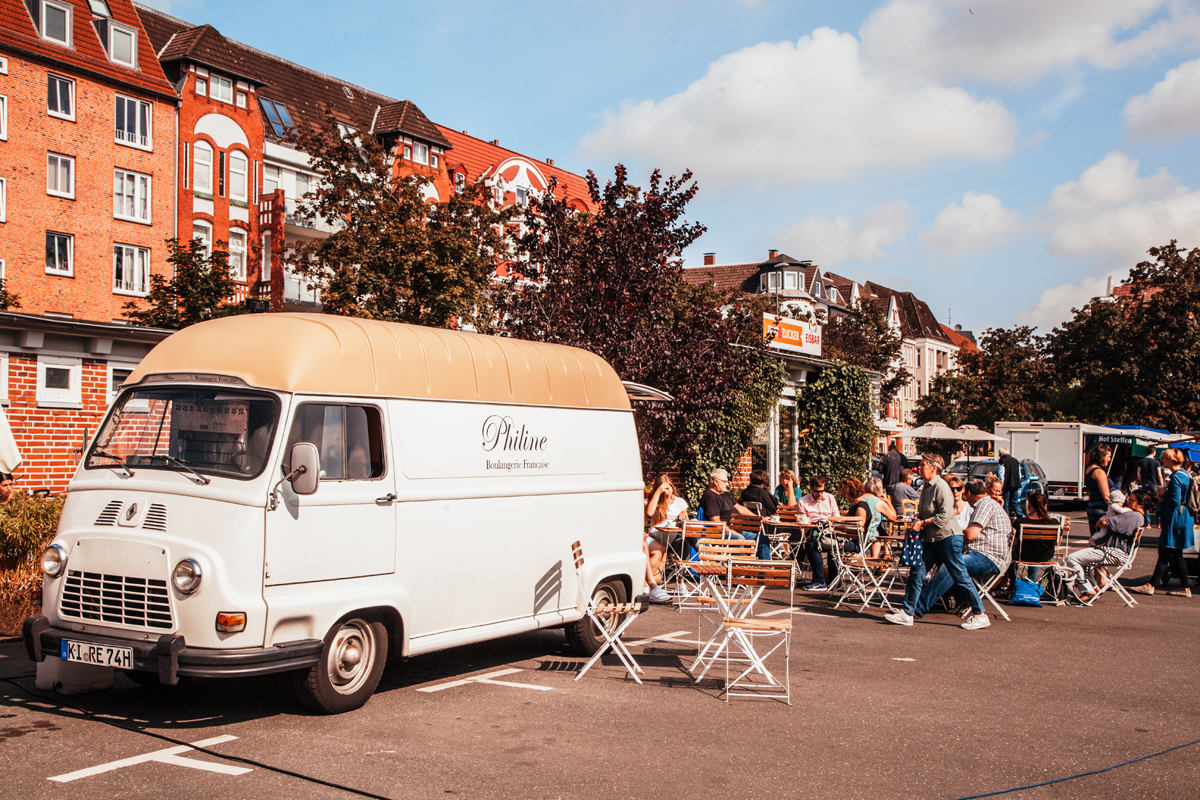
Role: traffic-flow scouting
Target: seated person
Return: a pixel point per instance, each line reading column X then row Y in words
column 718, row 505
column 1038, row 513
column 962, row 509
column 816, row 506
column 987, row 546
column 785, row 492
column 904, row 491
column 874, row 501
column 757, row 492
column 664, row 508
column 1112, row 542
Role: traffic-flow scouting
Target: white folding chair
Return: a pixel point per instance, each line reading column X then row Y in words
column 1114, row 577
column 686, row 586
column 985, row 586
column 609, row 620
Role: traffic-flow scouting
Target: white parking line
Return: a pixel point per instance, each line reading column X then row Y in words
column 168, row 756
column 487, row 678
column 797, row 612
column 666, row 637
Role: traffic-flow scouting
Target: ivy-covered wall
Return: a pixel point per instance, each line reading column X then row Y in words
column 836, row 409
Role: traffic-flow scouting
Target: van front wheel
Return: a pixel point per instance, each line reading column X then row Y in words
column 351, row 664
column 583, row 636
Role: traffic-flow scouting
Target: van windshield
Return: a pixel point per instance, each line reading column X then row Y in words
column 215, row 431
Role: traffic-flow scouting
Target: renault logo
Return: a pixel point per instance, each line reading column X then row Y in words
column 131, row 512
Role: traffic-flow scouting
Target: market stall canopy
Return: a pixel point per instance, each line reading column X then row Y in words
column 971, row 433
column 933, row 430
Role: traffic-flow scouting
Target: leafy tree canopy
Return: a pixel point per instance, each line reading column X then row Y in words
column 395, row 256
column 864, row 338
column 200, row 288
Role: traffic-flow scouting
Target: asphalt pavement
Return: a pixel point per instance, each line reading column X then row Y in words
column 878, row 711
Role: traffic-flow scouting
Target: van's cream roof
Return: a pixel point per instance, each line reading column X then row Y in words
column 325, row 354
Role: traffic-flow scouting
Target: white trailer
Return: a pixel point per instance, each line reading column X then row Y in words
column 1058, row 447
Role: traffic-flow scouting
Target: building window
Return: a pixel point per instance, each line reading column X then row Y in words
column 3, row 118
column 276, row 114
column 522, row 196
column 133, row 121
column 60, row 252
column 60, row 175
column 237, row 176
column 237, row 254
column 302, row 185
column 3, row 199
column 408, row 152
column 56, row 22
column 100, row 8
column 131, row 196
column 202, row 167
column 789, row 280
column 122, row 44
column 420, row 153
column 131, row 270
column 433, row 159
column 60, row 97
column 186, row 165
column 203, row 232
column 117, row 375
column 241, row 100
column 460, row 182
column 221, row 89
column 270, row 181
column 221, row 174
column 202, row 86
column 59, row 382
column 266, row 257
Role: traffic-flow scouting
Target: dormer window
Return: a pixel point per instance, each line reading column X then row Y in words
column 420, row 153
column 122, row 44
column 53, row 21
column 789, row 280
column 460, row 181
column 220, row 89
column 100, row 8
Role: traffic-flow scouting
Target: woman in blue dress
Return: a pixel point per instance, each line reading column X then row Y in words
column 1176, row 523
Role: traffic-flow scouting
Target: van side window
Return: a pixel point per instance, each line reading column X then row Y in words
column 349, row 439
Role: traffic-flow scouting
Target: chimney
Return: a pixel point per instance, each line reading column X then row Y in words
column 771, row 254
column 496, row 142
column 465, row 132
column 550, row 161
column 710, row 259
column 1108, row 291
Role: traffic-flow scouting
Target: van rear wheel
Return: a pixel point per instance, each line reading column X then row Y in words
column 351, row 665
column 583, row 636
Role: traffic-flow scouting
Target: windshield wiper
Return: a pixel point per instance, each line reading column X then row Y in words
column 120, row 461
column 200, row 479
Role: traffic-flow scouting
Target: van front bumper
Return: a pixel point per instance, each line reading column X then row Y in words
column 171, row 658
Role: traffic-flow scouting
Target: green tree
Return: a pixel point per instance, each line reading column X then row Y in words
column 200, row 288
column 836, row 410
column 864, row 338
column 9, row 301
column 393, row 255
column 1135, row 358
column 953, row 398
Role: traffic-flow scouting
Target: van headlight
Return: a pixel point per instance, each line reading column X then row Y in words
column 54, row 559
column 186, row 576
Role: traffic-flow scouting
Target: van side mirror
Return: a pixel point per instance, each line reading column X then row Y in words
column 304, row 454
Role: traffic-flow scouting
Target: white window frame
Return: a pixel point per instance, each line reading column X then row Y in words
column 139, row 286
column 65, row 8
column 58, row 191
column 70, row 97
column 207, row 237
column 276, row 178
column 201, row 86
column 240, row 99
column 237, row 255
column 122, row 137
column 234, row 156
column 69, row 272
column 115, row 27
column 3, row 211
column 265, row 273
column 421, row 153
column 199, row 147
column 3, row 376
column 3, row 118
column 142, row 196
column 218, row 86
column 3, row 65
column 71, row 397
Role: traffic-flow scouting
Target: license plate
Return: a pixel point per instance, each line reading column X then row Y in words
column 100, row 655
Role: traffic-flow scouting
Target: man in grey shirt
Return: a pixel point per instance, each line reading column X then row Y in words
column 942, row 543
column 903, row 490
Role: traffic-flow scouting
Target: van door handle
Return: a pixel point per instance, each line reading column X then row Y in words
column 387, row 498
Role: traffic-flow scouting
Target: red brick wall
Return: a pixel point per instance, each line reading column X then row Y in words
column 740, row 478
column 90, row 139
column 51, row 440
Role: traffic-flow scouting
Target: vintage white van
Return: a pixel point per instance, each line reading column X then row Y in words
column 307, row 494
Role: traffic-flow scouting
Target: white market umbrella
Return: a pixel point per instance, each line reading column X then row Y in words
column 10, row 456
column 932, row 430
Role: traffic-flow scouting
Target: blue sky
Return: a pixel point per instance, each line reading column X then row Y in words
column 999, row 158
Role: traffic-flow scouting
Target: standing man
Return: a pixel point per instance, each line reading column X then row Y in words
column 1149, row 473
column 942, row 543
column 893, row 464
column 1010, row 473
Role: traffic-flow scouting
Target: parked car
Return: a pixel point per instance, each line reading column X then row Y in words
column 1033, row 477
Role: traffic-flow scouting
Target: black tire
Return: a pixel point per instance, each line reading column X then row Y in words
column 351, row 664
column 583, row 636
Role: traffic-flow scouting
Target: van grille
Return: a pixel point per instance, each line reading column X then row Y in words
column 156, row 518
column 109, row 515
column 117, row 599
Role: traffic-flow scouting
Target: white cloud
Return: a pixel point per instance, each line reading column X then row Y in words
column 1055, row 305
column 980, row 222
column 832, row 241
column 1113, row 215
column 1171, row 108
column 1019, row 41
column 783, row 113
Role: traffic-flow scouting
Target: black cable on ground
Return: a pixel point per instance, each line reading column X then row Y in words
column 1081, row 774
column 269, row 768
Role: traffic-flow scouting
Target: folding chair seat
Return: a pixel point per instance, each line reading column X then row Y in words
column 985, row 585
column 1114, row 576
column 747, row 526
column 782, row 547
column 686, row 585
column 1050, row 536
column 862, row 575
column 609, row 620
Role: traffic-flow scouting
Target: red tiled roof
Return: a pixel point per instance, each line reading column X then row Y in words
column 405, row 117
column 86, row 52
column 957, row 338
column 725, row 276
column 916, row 320
column 480, row 158
column 205, row 45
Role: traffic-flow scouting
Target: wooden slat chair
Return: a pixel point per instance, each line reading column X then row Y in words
column 831, row 541
column 685, row 584
column 718, row 553
column 746, row 525
column 1114, row 577
column 738, row 630
column 1050, row 534
column 908, row 508
column 781, row 538
column 609, row 619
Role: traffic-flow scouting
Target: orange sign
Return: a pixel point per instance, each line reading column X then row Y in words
column 792, row 335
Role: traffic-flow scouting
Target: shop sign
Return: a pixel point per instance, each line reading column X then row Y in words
column 792, row 335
